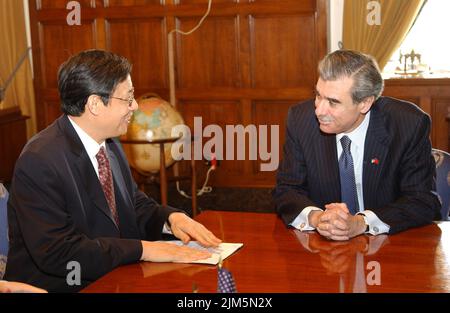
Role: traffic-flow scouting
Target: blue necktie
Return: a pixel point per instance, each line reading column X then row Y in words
column 347, row 174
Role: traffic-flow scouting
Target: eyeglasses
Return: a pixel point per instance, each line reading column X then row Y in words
column 130, row 100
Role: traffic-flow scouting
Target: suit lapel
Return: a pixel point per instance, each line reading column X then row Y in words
column 375, row 153
column 92, row 184
column 86, row 171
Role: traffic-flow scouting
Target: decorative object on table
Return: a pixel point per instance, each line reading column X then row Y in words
column 225, row 280
column 413, row 67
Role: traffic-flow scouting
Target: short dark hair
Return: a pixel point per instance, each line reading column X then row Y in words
column 363, row 68
column 90, row 72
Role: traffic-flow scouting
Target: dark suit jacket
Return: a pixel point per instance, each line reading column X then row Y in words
column 58, row 213
column 399, row 189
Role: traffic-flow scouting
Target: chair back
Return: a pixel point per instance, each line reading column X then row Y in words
column 442, row 159
column 3, row 229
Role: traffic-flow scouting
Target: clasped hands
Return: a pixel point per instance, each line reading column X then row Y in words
column 336, row 222
column 185, row 229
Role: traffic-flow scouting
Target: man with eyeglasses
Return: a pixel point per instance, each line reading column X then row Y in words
column 73, row 197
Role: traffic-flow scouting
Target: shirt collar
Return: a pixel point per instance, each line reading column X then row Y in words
column 91, row 146
column 358, row 135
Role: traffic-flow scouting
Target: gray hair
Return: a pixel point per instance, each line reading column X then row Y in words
column 363, row 68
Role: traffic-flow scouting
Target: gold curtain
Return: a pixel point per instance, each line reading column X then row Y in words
column 14, row 43
column 380, row 41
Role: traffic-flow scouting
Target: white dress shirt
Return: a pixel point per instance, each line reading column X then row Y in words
column 358, row 138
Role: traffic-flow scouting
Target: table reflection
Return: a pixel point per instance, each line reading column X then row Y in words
column 346, row 258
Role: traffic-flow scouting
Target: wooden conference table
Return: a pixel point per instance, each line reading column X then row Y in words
column 277, row 259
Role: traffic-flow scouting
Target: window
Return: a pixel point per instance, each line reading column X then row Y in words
column 429, row 38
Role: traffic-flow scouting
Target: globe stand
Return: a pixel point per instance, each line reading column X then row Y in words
column 162, row 169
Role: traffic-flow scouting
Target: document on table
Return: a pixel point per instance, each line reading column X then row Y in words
column 223, row 251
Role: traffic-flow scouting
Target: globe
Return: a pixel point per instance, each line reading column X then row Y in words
column 154, row 119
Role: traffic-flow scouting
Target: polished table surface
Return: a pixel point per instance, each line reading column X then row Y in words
column 277, row 259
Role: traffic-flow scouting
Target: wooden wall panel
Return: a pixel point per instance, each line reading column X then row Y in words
column 210, row 54
column 52, row 111
column 244, row 65
column 268, row 113
column 219, row 113
column 143, row 43
column 60, row 4
column 441, row 129
column 212, row 112
column 118, row 3
column 58, row 43
column 214, row 1
column 432, row 96
column 283, row 51
column 13, row 136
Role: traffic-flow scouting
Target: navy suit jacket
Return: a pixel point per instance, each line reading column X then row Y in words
column 400, row 189
column 57, row 212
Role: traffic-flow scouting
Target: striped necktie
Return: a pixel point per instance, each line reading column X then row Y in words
column 106, row 180
column 347, row 175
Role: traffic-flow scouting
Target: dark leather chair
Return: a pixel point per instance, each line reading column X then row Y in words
column 442, row 159
column 3, row 229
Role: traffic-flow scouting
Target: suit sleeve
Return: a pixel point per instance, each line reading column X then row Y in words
column 417, row 204
column 291, row 191
column 47, row 228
